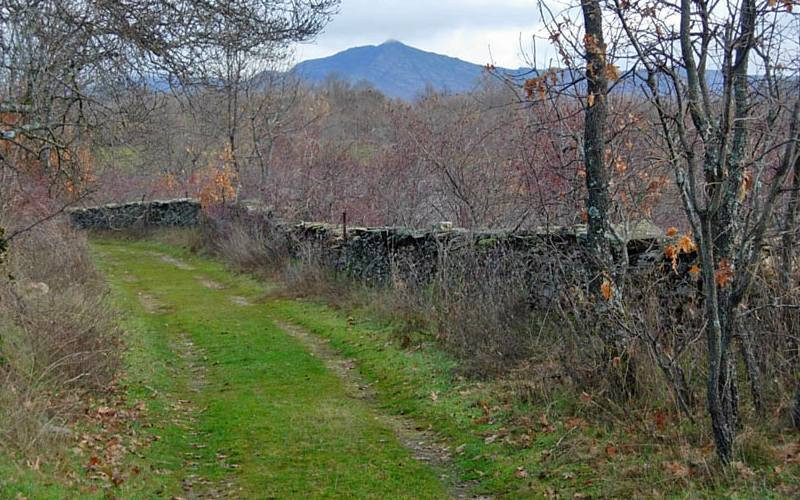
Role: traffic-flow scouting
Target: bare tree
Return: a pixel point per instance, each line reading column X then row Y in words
column 62, row 62
column 732, row 140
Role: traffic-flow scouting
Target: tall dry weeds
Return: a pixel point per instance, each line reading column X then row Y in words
column 58, row 336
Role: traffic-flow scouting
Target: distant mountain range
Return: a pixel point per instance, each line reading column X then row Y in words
column 395, row 69
column 404, row 72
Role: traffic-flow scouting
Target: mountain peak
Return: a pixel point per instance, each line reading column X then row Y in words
column 402, row 74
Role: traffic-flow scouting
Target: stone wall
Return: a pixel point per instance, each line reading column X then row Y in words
column 377, row 254
column 382, row 254
column 167, row 213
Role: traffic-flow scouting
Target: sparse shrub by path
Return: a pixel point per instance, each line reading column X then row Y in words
column 58, row 338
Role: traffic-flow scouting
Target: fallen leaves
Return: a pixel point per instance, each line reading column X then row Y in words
column 660, row 419
column 676, row 469
column 789, row 453
column 546, row 426
column 576, row 422
column 110, row 438
column 743, row 470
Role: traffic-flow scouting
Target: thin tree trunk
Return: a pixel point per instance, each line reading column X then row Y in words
column 796, row 409
column 720, row 384
column 603, row 286
column 753, row 372
column 787, row 259
column 594, row 145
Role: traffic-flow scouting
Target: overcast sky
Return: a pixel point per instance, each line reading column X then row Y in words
column 478, row 31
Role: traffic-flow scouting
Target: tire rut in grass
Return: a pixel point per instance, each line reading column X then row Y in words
column 194, row 485
column 423, row 443
column 172, row 261
column 210, row 284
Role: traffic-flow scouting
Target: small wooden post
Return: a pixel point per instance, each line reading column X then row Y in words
column 344, row 226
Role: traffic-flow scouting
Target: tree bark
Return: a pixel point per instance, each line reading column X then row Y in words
column 602, row 285
column 796, row 410
column 3, row 244
column 598, row 202
column 720, row 385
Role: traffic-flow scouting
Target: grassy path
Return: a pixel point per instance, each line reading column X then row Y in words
column 241, row 407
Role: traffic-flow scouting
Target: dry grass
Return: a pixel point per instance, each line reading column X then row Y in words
column 58, row 337
column 249, row 243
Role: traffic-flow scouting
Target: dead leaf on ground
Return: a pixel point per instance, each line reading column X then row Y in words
column 574, row 422
column 676, row 469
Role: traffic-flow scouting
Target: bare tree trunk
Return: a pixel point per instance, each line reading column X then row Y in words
column 598, row 204
column 594, row 145
column 753, row 371
column 796, row 409
column 3, row 244
column 787, row 266
column 787, row 257
column 720, row 383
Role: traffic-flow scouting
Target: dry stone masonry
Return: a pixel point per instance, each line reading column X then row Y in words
column 169, row 213
column 371, row 254
column 383, row 254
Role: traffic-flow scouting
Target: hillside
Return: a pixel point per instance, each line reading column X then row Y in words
column 395, row 69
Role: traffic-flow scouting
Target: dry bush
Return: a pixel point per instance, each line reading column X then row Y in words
column 308, row 274
column 480, row 301
column 249, row 242
column 58, row 337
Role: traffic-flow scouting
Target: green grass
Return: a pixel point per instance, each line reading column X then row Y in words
column 246, row 409
column 269, row 420
column 406, row 381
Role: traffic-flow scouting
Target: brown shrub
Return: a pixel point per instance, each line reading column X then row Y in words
column 58, row 337
column 248, row 242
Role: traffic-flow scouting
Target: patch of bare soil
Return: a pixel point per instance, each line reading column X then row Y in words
column 177, row 263
column 173, row 261
column 210, row 284
column 425, row 445
column 240, row 301
column 151, row 305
